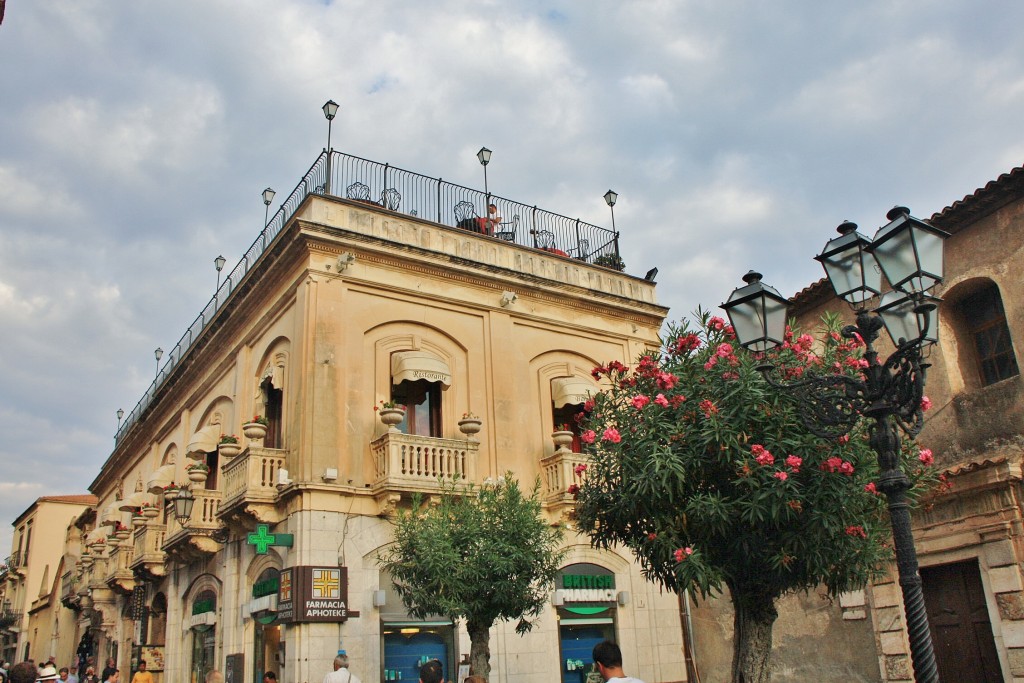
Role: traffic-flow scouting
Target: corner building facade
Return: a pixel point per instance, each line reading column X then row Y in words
column 351, row 304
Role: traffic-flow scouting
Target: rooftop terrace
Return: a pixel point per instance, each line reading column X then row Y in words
column 392, row 189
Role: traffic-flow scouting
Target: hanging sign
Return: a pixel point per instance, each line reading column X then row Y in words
column 308, row 594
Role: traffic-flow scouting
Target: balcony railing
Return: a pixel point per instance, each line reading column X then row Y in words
column 252, row 476
column 149, row 543
column 119, row 566
column 10, row 620
column 204, row 515
column 558, row 474
column 411, row 463
column 403, row 191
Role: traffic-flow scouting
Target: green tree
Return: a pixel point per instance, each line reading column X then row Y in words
column 706, row 473
column 480, row 554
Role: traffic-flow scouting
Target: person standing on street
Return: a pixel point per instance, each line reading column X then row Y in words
column 142, row 676
column 110, row 668
column 431, row 672
column 608, row 658
column 341, row 674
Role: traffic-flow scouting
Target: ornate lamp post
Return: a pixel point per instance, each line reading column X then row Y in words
column 218, row 263
column 484, row 155
column 268, row 197
column 909, row 252
column 158, row 354
column 183, row 506
column 610, row 197
column 330, row 111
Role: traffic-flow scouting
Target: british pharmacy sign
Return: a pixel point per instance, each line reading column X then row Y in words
column 307, row 594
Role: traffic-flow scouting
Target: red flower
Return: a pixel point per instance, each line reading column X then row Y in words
column 573, row 489
column 925, row 456
column 579, row 469
column 708, row 408
column 781, row 476
column 794, row 461
column 612, row 434
column 871, row 488
column 926, row 403
column 661, row 400
column 856, row 530
column 651, row 536
column 682, row 553
column 716, row 323
column 588, row 436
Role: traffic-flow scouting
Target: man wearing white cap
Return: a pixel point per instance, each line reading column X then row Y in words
column 48, row 673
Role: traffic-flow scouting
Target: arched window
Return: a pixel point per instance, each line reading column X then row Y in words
column 984, row 327
column 568, row 396
column 417, row 379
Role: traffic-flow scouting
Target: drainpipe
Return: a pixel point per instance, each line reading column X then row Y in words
column 686, row 622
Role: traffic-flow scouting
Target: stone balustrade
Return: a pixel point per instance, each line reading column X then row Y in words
column 411, row 463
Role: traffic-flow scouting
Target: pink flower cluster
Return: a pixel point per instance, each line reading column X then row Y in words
column 762, row 455
column 589, row 436
column 579, row 469
column 836, row 464
column 871, row 488
column 687, row 343
column 856, row 530
column 925, row 456
column 926, row 403
column 682, row 553
column 612, row 434
column 708, row 408
column 639, row 401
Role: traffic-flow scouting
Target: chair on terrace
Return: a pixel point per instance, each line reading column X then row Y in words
column 508, row 229
column 390, row 199
column 545, row 239
column 358, row 191
column 465, row 216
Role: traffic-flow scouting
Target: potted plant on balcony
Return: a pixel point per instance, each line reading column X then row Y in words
column 562, row 436
column 137, row 518
column 229, row 446
column 256, row 428
column 613, row 261
column 198, row 472
column 171, row 492
column 149, row 511
column 391, row 414
column 121, row 532
column 470, row 424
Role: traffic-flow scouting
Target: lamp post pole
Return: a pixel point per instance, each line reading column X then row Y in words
column 330, row 111
column 909, row 253
column 484, row 156
column 158, row 354
column 610, row 197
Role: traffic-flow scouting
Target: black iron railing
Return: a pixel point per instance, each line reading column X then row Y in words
column 9, row 618
column 402, row 191
column 16, row 560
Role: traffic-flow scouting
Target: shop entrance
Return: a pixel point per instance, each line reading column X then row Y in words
column 407, row 646
column 267, row 645
column 203, row 647
column 577, row 641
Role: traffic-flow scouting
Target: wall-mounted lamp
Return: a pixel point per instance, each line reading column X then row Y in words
column 330, row 474
column 345, row 260
column 508, row 298
column 380, row 598
column 623, row 598
column 558, row 598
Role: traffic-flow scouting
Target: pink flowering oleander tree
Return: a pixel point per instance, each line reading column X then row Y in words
column 708, row 476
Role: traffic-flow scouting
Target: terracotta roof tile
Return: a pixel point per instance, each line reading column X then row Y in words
column 82, row 499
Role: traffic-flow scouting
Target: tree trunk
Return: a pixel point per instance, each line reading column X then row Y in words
column 752, row 637
column 479, row 649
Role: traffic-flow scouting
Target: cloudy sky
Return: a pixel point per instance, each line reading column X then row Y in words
column 136, row 138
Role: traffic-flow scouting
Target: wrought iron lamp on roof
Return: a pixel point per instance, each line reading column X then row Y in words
column 908, row 252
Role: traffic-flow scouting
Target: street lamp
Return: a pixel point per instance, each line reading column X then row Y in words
column 484, row 155
column 330, row 111
column 183, row 506
column 120, row 414
column 610, row 197
column 909, row 252
column 159, row 353
column 218, row 263
column 268, row 196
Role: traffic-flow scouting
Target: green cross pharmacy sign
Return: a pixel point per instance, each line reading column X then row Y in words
column 262, row 539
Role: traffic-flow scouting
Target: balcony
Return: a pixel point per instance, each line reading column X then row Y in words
column 16, row 564
column 120, row 576
column 10, row 621
column 250, row 486
column 148, row 555
column 196, row 540
column 69, row 589
column 558, row 473
column 407, row 464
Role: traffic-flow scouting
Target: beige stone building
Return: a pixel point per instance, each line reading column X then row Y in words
column 29, row 621
column 969, row 541
column 371, row 285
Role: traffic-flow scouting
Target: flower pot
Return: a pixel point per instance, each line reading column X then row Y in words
column 150, row 513
column 229, row 450
column 470, row 425
column 255, row 431
column 392, row 417
column 170, row 494
column 122, row 535
column 563, row 439
column 198, row 476
column 138, row 520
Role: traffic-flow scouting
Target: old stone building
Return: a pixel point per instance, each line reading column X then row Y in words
column 30, row 621
column 370, row 286
column 969, row 539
